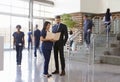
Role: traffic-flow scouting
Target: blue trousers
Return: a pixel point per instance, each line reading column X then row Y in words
column 71, row 42
column 19, row 54
column 29, row 44
column 46, row 54
column 87, row 37
column 36, row 47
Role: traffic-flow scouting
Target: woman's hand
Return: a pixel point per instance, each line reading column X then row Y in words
column 52, row 40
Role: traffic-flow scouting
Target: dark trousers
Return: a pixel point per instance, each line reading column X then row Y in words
column 35, row 49
column 87, row 37
column 19, row 54
column 71, row 42
column 29, row 44
column 59, row 48
column 46, row 54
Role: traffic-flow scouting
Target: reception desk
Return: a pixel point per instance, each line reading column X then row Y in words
column 1, row 52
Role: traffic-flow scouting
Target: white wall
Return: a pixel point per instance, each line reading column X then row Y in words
column 91, row 6
column 66, row 6
column 114, row 5
column 99, row 6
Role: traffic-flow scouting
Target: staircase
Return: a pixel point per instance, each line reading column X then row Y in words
column 112, row 56
column 78, row 52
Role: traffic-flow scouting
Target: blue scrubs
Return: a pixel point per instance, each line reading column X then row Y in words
column 29, row 40
column 46, row 49
column 37, row 34
column 19, row 46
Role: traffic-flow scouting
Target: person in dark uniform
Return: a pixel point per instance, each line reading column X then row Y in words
column 46, row 47
column 19, row 42
column 37, row 34
column 59, row 45
column 29, row 39
column 107, row 20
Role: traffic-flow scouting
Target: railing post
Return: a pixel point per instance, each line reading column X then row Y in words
column 93, row 58
column 107, row 36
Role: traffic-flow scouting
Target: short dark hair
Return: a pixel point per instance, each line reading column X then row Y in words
column 36, row 25
column 18, row 26
column 71, row 32
column 57, row 17
column 86, row 15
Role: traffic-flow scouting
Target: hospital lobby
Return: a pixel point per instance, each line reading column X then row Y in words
column 98, row 63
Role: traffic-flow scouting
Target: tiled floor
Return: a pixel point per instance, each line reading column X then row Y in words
column 32, row 68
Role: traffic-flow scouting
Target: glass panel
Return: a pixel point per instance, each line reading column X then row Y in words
column 36, row 7
column 4, row 8
column 36, row 10
column 48, row 15
column 5, row 29
column 20, row 11
column 39, row 22
column 36, row 13
column 42, row 11
column 6, row 2
column 20, row 4
column 42, row 8
column 42, row 14
column 48, row 9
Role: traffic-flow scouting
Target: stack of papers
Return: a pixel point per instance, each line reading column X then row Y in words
column 54, row 36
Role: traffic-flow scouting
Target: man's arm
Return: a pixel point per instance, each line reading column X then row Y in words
column 65, row 34
column 14, row 41
column 23, row 40
column 90, row 24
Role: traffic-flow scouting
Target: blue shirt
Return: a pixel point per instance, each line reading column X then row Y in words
column 55, row 28
column 46, row 44
column 37, row 35
column 29, row 36
column 87, row 25
column 18, row 37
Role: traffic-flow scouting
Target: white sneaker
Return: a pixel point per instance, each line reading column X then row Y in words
column 47, row 75
column 87, row 48
column 19, row 65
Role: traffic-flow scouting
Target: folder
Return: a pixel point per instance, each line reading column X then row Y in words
column 54, row 36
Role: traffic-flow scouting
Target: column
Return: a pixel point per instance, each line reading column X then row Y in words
column 1, row 53
column 31, row 15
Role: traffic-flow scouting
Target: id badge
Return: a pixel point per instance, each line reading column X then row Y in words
column 20, row 44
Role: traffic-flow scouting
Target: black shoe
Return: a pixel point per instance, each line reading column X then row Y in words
column 62, row 73
column 55, row 72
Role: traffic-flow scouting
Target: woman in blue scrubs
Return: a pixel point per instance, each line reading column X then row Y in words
column 46, row 47
column 19, row 42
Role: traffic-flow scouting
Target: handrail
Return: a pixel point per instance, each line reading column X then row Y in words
column 75, row 35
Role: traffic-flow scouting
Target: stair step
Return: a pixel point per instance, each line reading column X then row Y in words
column 115, row 60
column 113, row 45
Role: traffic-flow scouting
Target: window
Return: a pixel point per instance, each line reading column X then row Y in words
column 5, row 29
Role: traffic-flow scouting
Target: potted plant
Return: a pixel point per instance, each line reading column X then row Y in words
column 67, row 19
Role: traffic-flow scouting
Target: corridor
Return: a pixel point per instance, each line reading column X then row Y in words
column 32, row 68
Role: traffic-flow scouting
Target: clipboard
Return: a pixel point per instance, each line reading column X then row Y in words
column 54, row 36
